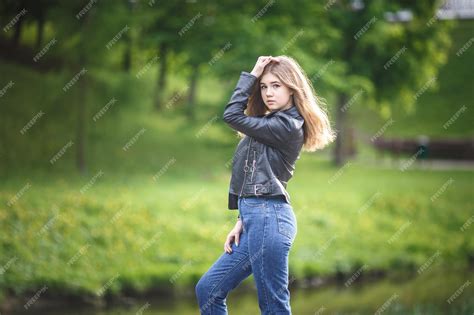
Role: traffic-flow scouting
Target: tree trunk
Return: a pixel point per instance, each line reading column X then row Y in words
column 40, row 30
column 190, row 106
column 81, row 127
column 4, row 145
column 339, row 148
column 127, row 57
column 161, row 76
column 81, row 133
column 17, row 34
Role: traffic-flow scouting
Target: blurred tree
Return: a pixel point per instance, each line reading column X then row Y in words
column 9, row 10
column 127, row 56
column 199, row 36
column 346, row 47
column 386, row 63
column 160, row 27
column 108, row 22
column 39, row 10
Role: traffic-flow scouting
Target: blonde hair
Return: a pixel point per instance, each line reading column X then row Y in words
column 317, row 128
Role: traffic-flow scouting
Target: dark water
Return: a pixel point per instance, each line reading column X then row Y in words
column 432, row 292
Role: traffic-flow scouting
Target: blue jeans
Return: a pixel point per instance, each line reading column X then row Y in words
column 269, row 229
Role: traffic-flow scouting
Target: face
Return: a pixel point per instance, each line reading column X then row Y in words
column 275, row 95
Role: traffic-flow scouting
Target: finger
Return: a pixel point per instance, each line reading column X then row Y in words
column 230, row 240
column 237, row 239
column 267, row 61
column 228, row 243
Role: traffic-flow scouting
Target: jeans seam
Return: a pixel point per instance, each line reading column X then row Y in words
column 222, row 280
column 263, row 262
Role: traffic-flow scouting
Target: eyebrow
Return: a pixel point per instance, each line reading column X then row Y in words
column 271, row 82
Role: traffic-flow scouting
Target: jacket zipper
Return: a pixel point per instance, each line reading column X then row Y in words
column 253, row 165
column 246, row 167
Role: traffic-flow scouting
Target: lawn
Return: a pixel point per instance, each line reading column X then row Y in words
column 163, row 223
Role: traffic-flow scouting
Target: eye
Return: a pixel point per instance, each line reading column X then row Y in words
column 263, row 87
column 276, row 86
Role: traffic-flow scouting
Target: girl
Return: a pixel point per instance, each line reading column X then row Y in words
column 283, row 116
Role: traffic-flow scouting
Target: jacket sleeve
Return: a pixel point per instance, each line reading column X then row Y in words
column 274, row 130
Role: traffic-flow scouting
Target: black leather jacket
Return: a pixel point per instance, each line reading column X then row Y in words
column 264, row 160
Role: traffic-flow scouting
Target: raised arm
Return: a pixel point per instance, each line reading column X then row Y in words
column 274, row 129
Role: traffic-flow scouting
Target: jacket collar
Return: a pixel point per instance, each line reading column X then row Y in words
column 292, row 111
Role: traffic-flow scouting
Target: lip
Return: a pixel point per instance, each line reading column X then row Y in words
column 271, row 101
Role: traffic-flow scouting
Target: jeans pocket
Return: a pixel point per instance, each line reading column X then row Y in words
column 286, row 220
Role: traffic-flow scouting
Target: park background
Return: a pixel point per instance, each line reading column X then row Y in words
column 115, row 162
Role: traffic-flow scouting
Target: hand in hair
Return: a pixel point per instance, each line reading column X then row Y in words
column 262, row 61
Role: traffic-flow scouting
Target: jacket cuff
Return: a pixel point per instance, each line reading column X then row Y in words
column 248, row 74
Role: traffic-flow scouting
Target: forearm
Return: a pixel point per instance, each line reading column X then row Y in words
column 234, row 111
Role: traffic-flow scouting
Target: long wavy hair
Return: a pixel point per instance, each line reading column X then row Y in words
column 317, row 128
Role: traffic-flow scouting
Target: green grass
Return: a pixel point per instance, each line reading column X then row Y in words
column 181, row 219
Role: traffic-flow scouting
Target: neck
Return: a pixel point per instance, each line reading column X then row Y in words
column 288, row 106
